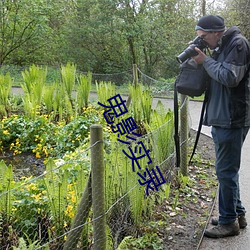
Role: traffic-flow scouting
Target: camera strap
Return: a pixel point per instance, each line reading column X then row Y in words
column 176, row 126
column 199, row 127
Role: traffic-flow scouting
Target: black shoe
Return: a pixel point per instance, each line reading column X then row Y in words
column 221, row 231
column 241, row 219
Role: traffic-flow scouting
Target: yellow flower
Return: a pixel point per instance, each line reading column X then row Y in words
column 6, row 132
column 16, row 152
column 14, row 209
column 73, row 199
column 38, row 155
column 69, row 211
column 37, row 196
column 45, row 151
column 31, row 186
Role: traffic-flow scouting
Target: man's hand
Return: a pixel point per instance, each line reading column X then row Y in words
column 200, row 58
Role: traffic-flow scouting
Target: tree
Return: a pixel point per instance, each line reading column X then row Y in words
column 21, row 21
column 108, row 36
column 94, row 39
column 102, row 36
column 237, row 13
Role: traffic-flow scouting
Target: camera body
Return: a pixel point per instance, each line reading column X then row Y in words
column 190, row 51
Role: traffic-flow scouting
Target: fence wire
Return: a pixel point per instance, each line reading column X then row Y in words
column 41, row 211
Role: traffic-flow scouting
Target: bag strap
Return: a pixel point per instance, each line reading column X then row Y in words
column 199, row 127
column 176, row 126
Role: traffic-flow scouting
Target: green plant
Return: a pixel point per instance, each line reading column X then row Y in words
column 137, row 200
column 5, row 90
column 160, row 131
column 30, row 208
column 6, row 196
column 42, row 136
column 56, row 184
column 23, row 134
column 6, row 205
column 48, row 97
column 56, row 188
column 83, row 91
column 62, row 104
column 34, row 81
column 147, row 241
column 122, row 181
column 141, row 103
column 105, row 90
column 176, row 199
column 58, row 102
column 68, row 74
column 28, row 245
column 167, row 190
column 184, row 181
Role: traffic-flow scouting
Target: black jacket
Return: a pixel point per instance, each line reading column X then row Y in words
column 229, row 90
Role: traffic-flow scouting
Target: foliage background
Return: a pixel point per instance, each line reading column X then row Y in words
column 106, row 36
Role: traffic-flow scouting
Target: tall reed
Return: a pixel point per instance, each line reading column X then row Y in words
column 160, row 131
column 48, row 97
column 33, row 86
column 141, row 103
column 83, row 91
column 105, row 90
column 122, row 181
column 6, row 184
column 62, row 106
column 56, row 184
column 5, row 90
column 68, row 74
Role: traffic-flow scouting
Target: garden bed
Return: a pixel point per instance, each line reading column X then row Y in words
column 54, row 125
column 179, row 221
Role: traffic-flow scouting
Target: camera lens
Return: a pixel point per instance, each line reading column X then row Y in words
column 190, row 51
column 187, row 53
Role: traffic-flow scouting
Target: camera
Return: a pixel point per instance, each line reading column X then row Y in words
column 190, row 51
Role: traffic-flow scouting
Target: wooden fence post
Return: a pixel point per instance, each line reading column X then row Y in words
column 135, row 74
column 98, row 195
column 135, row 82
column 184, row 135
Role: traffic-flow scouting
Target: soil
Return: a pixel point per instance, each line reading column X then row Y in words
column 25, row 164
column 187, row 221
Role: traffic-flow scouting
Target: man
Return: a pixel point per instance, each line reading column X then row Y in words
column 228, row 112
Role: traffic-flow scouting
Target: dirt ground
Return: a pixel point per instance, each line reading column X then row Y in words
column 187, row 221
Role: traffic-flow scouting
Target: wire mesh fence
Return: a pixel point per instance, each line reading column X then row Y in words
column 57, row 209
column 159, row 87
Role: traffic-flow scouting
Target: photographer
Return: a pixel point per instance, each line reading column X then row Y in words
column 228, row 112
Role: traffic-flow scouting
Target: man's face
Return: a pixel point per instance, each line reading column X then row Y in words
column 211, row 38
